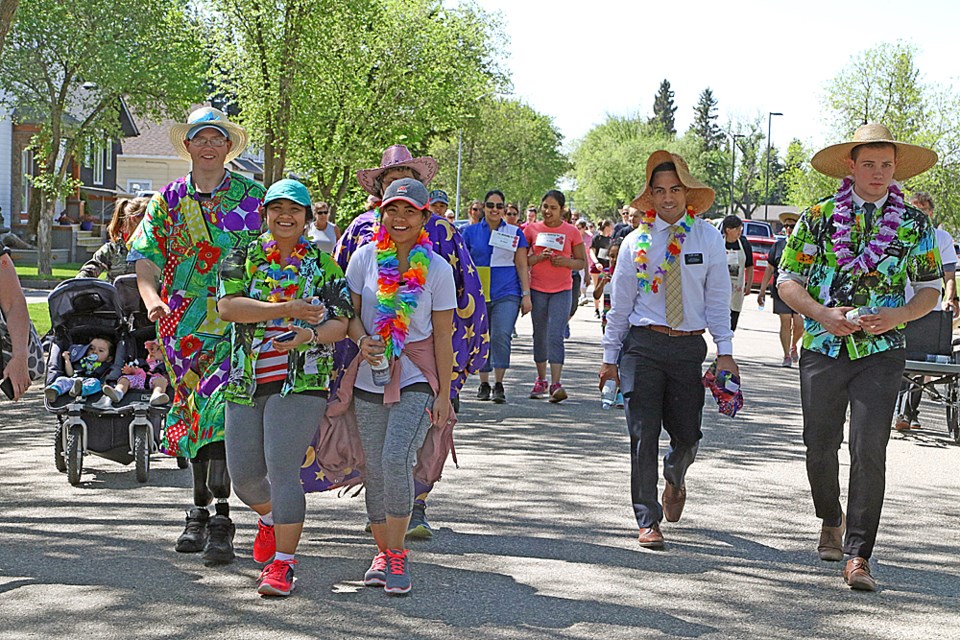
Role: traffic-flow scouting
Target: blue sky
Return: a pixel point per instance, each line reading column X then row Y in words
column 579, row 61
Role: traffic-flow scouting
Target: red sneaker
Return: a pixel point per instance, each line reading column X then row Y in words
column 539, row 389
column 265, row 544
column 277, row 579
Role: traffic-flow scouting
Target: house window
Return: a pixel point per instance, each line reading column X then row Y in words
column 108, row 146
column 26, row 169
column 136, row 186
column 98, row 162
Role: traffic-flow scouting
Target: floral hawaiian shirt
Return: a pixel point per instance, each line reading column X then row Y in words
column 912, row 256
column 309, row 367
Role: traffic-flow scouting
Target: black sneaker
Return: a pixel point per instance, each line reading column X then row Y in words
column 483, row 393
column 498, row 394
column 219, row 548
column 194, row 536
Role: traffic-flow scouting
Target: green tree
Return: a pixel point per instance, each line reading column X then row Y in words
column 705, row 122
column 509, row 146
column 263, row 51
column 883, row 84
column 8, row 9
column 609, row 161
column 66, row 66
column 355, row 77
column 804, row 185
column 664, row 109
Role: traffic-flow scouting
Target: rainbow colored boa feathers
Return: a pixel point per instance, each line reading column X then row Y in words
column 396, row 302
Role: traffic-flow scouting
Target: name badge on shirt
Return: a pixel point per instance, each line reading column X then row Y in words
column 551, row 240
column 504, row 240
column 693, row 258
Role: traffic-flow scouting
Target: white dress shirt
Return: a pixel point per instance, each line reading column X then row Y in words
column 706, row 287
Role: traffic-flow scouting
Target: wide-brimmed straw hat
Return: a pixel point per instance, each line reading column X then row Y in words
column 203, row 118
column 393, row 157
column 789, row 216
column 699, row 195
column 912, row 160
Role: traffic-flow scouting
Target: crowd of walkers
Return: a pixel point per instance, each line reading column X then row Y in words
column 282, row 334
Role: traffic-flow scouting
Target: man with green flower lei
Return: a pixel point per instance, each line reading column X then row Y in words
column 187, row 229
column 855, row 252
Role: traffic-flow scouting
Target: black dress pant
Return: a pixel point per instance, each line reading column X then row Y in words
column 869, row 387
column 660, row 379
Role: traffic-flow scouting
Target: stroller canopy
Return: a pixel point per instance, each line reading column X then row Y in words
column 84, row 297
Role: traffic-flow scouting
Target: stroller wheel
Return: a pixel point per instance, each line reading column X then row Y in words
column 141, row 451
column 74, row 454
column 58, row 456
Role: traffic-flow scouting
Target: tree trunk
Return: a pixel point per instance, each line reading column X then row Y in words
column 8, row 9
column 44, row 244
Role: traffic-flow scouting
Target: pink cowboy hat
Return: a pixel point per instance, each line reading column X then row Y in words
column 393, row 157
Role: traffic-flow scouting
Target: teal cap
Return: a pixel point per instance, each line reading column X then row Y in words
column 287, row 189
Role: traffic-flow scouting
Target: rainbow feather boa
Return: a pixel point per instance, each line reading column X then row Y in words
column 396, row 303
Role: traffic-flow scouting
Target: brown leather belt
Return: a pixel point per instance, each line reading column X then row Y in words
column 670, row 331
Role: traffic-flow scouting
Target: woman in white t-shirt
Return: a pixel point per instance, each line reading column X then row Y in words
column 323, row 232
column 404, row 296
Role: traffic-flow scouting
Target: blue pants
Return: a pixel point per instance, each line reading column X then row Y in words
column 503, row 318
column 550, row 314
column 63, row 384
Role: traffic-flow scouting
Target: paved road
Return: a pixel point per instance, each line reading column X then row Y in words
column 536, row 535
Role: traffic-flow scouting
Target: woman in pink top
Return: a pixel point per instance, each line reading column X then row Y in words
column 556, row 250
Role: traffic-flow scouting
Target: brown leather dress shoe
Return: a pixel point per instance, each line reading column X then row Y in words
column 673, row 499
column 830, row 548
column 650, row 537
column 857, row 575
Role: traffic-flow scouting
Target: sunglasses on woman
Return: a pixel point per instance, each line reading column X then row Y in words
column 491, row 205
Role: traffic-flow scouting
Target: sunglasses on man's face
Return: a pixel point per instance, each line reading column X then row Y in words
column 491, row 205
column 789, row 226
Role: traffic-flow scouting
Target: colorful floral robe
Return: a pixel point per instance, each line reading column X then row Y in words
column 187, row 239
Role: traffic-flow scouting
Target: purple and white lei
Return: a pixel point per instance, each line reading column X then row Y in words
column 843, row 219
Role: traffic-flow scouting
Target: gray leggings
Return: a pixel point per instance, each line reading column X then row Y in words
column 391, row 436
column 266, row 444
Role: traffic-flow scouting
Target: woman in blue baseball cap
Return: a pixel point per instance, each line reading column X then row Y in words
column 288, row 302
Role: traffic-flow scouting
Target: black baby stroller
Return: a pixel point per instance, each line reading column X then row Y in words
column 129, row 431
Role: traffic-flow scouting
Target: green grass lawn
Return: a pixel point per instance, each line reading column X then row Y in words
column 63, row 271
column 40, row 315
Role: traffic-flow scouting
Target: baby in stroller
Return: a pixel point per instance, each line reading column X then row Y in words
column 136, row 377
column 85, row 365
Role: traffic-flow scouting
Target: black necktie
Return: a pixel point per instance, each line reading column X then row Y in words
column 868, row 209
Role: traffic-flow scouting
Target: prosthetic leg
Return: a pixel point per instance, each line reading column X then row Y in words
column 211, row 534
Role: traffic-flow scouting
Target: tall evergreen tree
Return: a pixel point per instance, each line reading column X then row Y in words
column 664, row 109
column 705, row 121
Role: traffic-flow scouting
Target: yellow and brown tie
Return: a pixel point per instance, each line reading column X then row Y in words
column 673, row 289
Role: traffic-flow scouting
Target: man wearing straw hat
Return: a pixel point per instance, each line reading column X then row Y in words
column 188, row 227
column 858, row 248
column 671, row 283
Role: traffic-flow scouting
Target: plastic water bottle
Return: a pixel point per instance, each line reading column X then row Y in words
column 760, row 306
column 381, row 372
column 939, row 359
column 608, row 395
column 854, row 314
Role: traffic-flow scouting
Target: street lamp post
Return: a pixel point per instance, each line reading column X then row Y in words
column 459, row 164
column 733, row 163
column 766, row 179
